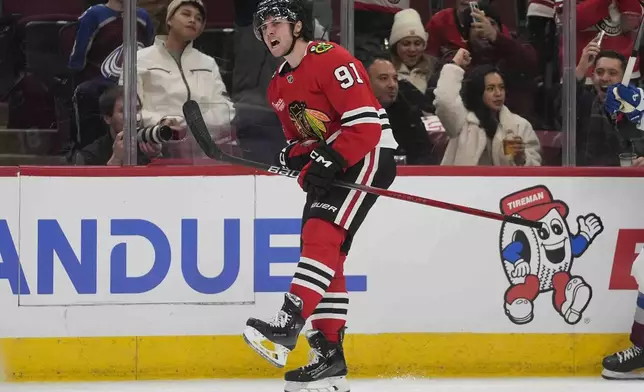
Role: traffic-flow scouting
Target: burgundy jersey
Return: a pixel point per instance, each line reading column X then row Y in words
column 328, row 95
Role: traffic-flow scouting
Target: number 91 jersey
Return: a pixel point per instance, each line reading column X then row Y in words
column 328, row 96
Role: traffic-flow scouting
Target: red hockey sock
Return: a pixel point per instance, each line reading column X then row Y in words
column 331, row 313
column 321, row 241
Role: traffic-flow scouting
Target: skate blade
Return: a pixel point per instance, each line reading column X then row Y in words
column 331, row 384
column 634, row 375
column 256, row 341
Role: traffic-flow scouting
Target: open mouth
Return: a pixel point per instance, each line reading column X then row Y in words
column 555, row 253
column 274, row 43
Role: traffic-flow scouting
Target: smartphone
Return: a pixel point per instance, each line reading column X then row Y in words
column 474, row 6
column 598, row 38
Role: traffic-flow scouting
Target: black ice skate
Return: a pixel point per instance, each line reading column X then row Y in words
column 327, row 370
column 282, row 331
column 625, row 365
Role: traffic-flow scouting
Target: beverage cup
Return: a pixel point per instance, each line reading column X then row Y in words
column 626, row 159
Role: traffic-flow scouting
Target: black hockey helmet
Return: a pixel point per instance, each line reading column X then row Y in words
column 292, row 11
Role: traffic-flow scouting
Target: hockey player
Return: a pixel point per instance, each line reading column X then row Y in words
column 629, row 363
column 335, row 129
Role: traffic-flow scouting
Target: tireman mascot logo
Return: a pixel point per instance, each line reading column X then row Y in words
column 538, row 261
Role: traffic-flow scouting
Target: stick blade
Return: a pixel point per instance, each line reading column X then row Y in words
column 199, row 129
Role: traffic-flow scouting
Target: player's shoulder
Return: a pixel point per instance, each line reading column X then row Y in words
column 328, row 51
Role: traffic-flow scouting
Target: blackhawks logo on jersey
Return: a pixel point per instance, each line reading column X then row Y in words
column 321, row 47
column 310, row 123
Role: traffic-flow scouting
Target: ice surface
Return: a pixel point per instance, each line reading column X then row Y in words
column 388, row 385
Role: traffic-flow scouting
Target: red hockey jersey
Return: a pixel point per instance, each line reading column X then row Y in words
column 328, row 95
column 446, row 34
column 594, row 16
column 607, row 15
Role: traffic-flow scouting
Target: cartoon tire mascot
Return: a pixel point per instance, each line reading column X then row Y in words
column 537, row 261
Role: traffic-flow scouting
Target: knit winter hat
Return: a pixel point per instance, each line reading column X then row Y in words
column 175, row 4
column 407, row 23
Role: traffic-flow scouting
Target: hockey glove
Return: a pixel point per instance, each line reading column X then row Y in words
column 318, row 175
column 297, row 153
column 625, row 99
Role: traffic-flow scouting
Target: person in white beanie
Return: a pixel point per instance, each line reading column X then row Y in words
column 172, row 71
column 407, row 44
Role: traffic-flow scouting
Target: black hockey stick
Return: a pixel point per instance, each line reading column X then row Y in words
column 199, row 129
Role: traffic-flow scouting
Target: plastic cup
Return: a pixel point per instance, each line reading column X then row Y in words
column 626, row 159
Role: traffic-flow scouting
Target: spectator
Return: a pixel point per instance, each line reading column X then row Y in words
column 404, row 118
column 448, row 29
column 599, row 139
column 617, row 18
column 408, row 41
column 372, row 25
column 109, row 148
column 542, row 30
column 100, row 32
column 477, row 120
column 483, row 35
column 172, row 71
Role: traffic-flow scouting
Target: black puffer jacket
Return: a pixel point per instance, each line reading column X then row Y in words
column 408, row 128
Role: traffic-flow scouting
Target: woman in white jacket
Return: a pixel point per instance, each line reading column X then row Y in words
column 477, row 120
column 172, row 71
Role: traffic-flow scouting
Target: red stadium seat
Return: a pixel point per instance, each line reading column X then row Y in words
column 27, row 8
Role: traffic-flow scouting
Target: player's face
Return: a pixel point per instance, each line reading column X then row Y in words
column 494, row 93
column 410, row 50
column 384, row 81
column 607, row 71
column 186, row 23
column 278, row 35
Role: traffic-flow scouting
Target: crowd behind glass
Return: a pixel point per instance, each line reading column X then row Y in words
column 464, row 83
